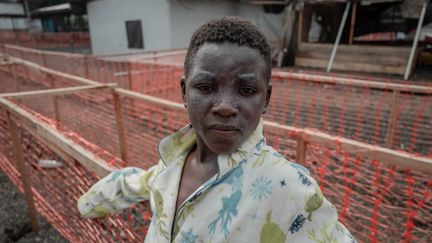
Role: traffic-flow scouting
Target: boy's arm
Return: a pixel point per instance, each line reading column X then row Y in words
column 118, row 190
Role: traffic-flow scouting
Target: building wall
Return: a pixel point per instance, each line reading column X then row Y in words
column 12, row 23
column 8, row 23
column 108, row 29
column 12, row 8
column 187, row 16
column 166, row 24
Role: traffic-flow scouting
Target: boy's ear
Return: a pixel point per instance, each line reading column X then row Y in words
column 267, row 101
column 183, row 90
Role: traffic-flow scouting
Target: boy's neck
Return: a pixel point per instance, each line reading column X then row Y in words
column 203, row 154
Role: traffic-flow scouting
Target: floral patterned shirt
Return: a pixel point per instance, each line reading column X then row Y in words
column 256, row 196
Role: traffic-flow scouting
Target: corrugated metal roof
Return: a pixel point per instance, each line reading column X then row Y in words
column 59, row 8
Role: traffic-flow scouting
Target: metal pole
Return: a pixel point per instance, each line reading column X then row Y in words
column 339, row 35
column 414, row 46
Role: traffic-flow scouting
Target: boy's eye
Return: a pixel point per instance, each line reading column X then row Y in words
column 205, row 88
column 247, row 91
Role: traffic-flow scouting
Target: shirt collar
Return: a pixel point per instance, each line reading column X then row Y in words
column 179, row 143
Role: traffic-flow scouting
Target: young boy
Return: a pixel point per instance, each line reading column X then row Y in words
column 217, row 180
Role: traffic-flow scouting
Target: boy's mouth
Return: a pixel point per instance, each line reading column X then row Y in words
column 224, row 129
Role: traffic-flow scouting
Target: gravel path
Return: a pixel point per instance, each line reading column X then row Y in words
column 14, row 222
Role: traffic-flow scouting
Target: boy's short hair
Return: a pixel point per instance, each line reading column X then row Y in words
column 230, row 29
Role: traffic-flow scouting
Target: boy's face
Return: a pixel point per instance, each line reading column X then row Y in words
column 225, row 94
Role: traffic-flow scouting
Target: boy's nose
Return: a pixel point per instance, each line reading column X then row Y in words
column 225, row 108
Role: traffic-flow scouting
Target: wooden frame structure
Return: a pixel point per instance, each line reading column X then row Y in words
column 317, row 55
column 73, row 153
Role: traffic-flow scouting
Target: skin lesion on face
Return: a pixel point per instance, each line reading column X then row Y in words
column 226, row 93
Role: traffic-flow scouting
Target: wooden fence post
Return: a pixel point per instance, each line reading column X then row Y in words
column 27, row 73
column 55, row 100
column 25, row 177
column 12, row 70
column 393, row 119
column 301, row 149
column 129, row 75
column 44, row 63
column 353, row 20
column 120, row 126
column 130, row 84
column 86, row 69
column 300, row 26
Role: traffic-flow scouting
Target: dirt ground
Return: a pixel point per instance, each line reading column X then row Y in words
column 14, row 222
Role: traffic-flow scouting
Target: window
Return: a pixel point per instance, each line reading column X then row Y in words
column 134, row 34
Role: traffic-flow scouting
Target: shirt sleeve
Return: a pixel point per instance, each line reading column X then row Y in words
column 316, row 219
column 117, row 191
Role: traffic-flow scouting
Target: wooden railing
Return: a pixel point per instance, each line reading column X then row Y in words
column 303, row 136
column 72, row 152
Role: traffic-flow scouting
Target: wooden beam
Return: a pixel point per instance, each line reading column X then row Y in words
column 350, row 66
column 50, row 135
column 35, row 51
column 67, row 158
column 150, row 99
column 56, row 108
column 57, row 92
column 300, row 27
column 55, row 101
column 24, row 175
column 44, row 63
column 301, row 150
column 51, row 71
column 15, row 77
column 129, row 75
column 85, row 66
column 384, row 155
column 352, row 82
column 120, row 126
column 393, row 119
column 353, row 20
column 356, row 49
column 354, row 57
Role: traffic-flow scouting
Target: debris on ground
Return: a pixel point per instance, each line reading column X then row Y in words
column 15, row 225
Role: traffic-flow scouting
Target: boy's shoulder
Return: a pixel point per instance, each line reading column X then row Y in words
column 269, row 163
column 270, row 159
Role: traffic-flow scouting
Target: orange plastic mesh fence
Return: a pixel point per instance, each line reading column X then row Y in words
column 375, row 201
column 56, row 190
column 45, row 39
column 375, row 115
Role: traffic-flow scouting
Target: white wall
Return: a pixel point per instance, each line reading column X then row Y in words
column 12, row 23
column 166, row 24
column 187, row 16
column 108, row 29
column 9, row 23
column 12, row 8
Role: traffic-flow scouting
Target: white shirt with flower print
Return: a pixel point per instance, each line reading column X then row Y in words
column 256, row 196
